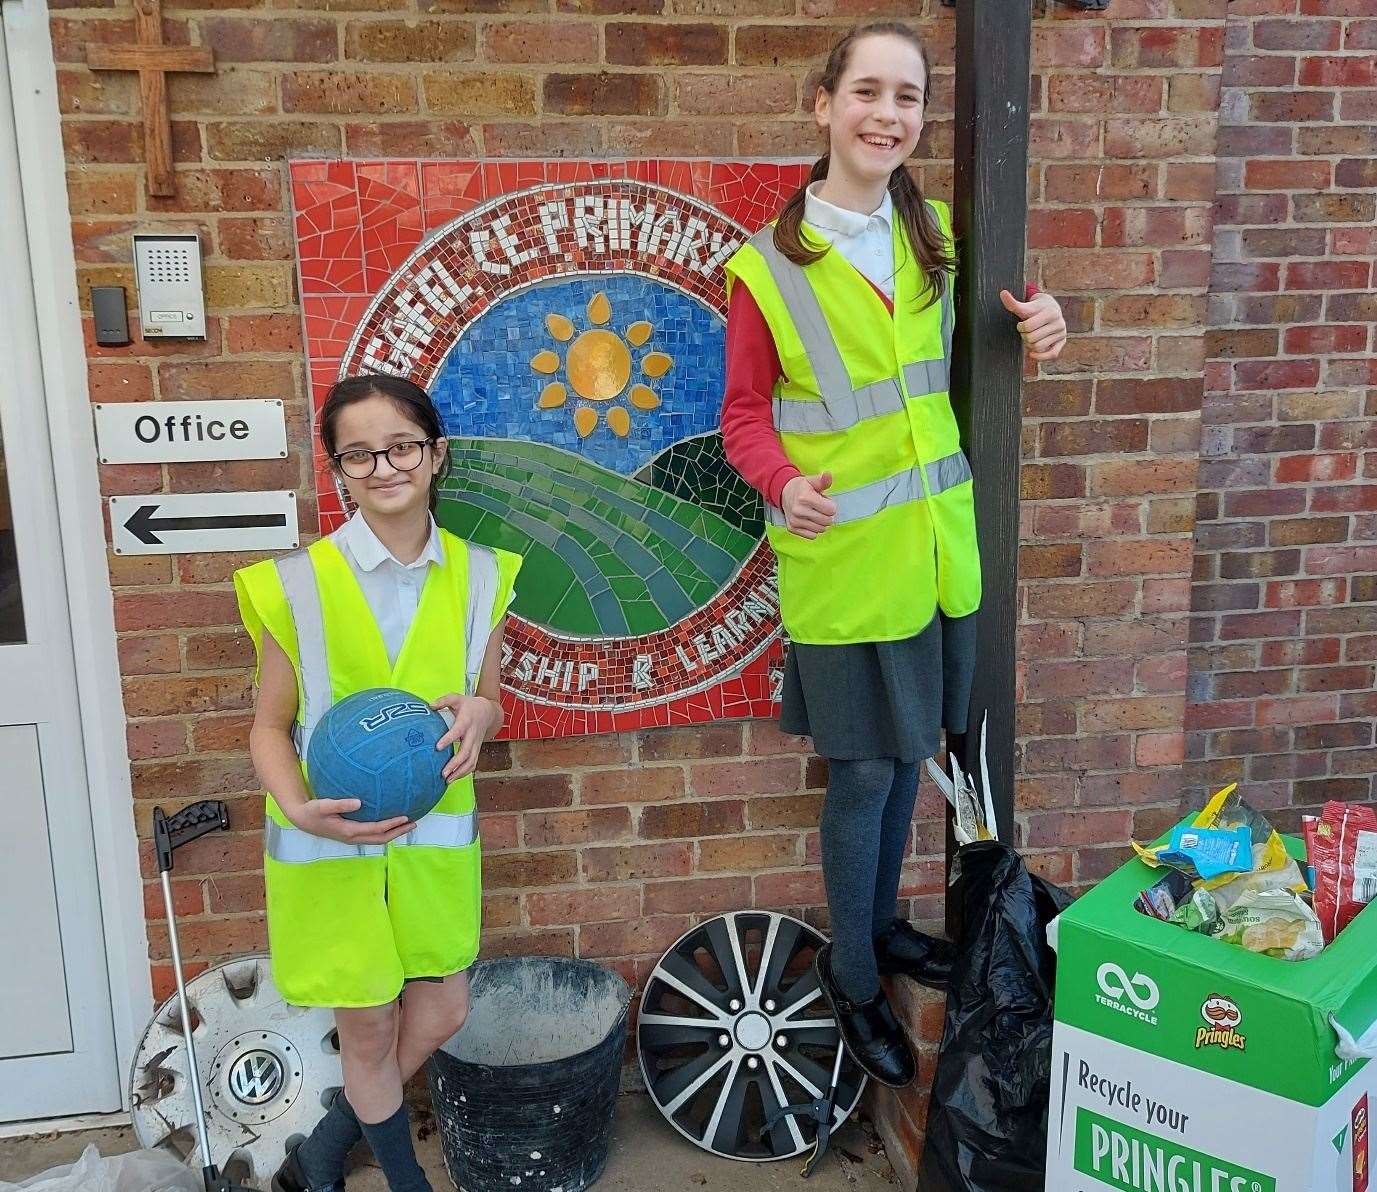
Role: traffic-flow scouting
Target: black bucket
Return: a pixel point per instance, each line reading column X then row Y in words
column 526, row 1092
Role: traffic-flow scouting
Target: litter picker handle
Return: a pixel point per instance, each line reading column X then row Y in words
column 191, row 823
column 169, row 834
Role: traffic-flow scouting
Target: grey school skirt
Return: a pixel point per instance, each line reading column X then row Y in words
column 881, row 699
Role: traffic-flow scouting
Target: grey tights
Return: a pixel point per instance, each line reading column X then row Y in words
column 866, row 818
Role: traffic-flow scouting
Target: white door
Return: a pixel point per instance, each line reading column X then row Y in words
column 57, row 1046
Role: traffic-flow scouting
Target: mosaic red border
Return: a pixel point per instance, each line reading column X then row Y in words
column 365, row 230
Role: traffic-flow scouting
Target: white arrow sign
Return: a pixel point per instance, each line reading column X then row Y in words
column 188, row 523
column 161, row 432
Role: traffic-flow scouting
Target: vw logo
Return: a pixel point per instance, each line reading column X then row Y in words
column 256, row 1077
column 1141, row 990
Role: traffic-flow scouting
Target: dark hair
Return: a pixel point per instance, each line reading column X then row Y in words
column 924, row 232
column 410, row 400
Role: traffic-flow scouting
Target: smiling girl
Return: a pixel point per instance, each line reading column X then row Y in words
column 836, row 408
column 378, row 921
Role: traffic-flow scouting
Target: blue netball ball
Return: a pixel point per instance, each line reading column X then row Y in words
column 378, row 746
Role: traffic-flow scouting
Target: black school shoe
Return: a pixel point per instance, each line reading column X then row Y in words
column 290, row 1177
column 869, row 1029
column 902, row 949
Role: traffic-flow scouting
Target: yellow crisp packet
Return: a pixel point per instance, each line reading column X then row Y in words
column 1227, row 809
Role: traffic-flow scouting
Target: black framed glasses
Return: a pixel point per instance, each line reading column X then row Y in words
column 360, row 463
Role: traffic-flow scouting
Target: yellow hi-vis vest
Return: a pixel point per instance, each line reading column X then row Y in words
column 864, row 395
column 348, row 923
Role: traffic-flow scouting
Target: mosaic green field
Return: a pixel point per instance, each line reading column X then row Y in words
column 605, row 554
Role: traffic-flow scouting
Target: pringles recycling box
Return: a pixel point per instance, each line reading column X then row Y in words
column 1184, row 1064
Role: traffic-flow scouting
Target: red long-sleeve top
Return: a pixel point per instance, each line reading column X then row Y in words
column 748, row 432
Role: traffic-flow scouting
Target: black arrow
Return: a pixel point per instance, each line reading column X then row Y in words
column 146, row 528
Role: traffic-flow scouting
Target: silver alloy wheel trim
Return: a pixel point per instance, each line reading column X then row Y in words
column 796, row 1072
column 266, row 1070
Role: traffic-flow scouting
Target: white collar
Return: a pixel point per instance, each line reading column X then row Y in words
column 839, row 220
column 369, row 552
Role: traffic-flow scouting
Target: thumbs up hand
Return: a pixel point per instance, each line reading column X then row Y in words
column 1041, row 324
column 807, row 512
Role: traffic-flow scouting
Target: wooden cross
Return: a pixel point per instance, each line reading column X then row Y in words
column 154, row 62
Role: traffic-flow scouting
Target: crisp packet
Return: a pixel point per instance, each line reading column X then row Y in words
column 1250, row 883
column 1160, row 900
column 1213, row 851
column 1226, row 809
column 1344, row 855
column 1273, row 922
column 1199, row 913
column 1309, row 823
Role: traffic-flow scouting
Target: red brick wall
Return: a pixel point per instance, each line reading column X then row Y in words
column 607, row 846
column 1285, row 605
column 604, row 846
column 1118, row 227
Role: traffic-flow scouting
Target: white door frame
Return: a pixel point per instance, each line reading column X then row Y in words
column 33, row 85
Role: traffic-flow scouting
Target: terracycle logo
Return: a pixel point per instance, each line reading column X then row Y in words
column 1136, row 996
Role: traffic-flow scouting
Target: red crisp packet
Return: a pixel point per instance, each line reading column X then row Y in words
column 1344, row 856
column 1308, row 825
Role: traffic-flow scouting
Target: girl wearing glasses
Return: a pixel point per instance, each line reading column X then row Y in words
column 380, row 920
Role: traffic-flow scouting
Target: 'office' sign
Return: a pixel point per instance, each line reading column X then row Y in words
column 161, row 432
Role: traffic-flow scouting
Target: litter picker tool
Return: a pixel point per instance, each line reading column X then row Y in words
column 169, row 834
column 821, row 1110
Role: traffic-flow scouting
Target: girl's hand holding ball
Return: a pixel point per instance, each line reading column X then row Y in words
column 475, row 718
column 326, row 817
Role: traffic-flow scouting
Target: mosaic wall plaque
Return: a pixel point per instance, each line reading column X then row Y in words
column 568, row 317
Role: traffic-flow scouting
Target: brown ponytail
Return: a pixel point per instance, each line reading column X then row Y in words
column 935, row 259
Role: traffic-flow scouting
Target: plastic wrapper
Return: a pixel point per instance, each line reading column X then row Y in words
column 973, row 813
column 1228, row 810
column 1162, row 899
column 1212, row 851
column 1308, row 825
column 1198, row 913
column 1260, row 910
column 987, row 1118
column 1273, row 922
column 137, row 1171
column 1344, row 858
column 1264, row 881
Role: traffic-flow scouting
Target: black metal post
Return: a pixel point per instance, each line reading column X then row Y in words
column 991, row 158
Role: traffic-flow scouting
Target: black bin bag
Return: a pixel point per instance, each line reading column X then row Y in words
column 987, row 1117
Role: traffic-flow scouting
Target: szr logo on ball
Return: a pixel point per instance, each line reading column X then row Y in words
column 1136, row 996
column 393, row 712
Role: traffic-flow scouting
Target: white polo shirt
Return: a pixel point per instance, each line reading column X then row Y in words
column 391, row 588
column 867, row 241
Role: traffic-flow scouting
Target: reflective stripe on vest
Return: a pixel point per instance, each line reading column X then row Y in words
column 869, row 499
column 842, row 406
column 298, row 577
column 292, row 846
column 483, row 580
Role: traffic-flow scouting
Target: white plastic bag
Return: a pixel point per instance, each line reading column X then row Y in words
column 137, row 1171
column 1349, row 1047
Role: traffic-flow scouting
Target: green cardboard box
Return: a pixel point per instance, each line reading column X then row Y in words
column 1184, row 1064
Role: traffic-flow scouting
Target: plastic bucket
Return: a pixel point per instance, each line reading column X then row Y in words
column 526, row 1092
